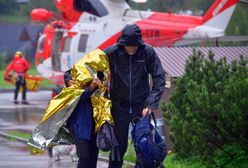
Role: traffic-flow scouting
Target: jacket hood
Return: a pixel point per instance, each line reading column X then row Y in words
column 130, row 36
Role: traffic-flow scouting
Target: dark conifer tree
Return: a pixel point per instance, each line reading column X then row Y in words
column 208, row 108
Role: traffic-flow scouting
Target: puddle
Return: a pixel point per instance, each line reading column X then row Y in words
column 20, row 116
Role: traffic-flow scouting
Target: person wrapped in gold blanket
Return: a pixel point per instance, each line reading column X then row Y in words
column 52, row 129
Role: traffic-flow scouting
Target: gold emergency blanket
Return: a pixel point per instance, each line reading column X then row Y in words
column 52, row 128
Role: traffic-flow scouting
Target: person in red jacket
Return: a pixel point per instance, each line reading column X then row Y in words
column 20, row 66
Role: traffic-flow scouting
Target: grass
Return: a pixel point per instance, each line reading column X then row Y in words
column 173, row 161
column 129, row 156
column 25, row 136
column 3, row 84
column 14, row 19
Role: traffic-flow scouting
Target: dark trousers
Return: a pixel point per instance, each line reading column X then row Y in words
column 121, row 129
column 87, row 152
column 20, row 82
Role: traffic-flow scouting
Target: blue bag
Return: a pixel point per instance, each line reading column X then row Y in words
column 149, row 146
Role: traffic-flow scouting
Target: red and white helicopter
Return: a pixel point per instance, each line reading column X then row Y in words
column 89, row 24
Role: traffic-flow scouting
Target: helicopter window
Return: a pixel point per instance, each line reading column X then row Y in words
column 67, row 44
column 82, row 42
column 94, row 7
column 41, row 43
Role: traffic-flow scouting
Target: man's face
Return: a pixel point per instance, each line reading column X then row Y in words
column 131, row 50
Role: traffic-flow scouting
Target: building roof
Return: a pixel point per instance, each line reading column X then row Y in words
column 34, row 30
column 173, row 59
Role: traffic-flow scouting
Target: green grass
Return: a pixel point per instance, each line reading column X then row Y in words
column 173, row 161
column 129, row 156
column 20, row 134
column 3, row 84
column 14, row 19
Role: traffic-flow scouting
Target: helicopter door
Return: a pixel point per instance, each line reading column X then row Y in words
column 56, row 61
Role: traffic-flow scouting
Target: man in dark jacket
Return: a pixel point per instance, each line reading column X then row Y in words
column 131, row 61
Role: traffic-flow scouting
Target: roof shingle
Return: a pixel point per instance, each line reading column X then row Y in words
column 173, row 59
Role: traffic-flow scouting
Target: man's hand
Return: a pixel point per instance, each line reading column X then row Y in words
column 7, row 77
column 95, row 83
column 71, row 82
column 146, row 111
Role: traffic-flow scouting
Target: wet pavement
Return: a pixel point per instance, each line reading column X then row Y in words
column 19, row 116
column 15, row 155
column 36, row 99
column 25, row 118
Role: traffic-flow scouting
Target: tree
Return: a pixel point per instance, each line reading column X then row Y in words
column 208, row 107
column 239, row 21
column 47, row 4
column 7, row 7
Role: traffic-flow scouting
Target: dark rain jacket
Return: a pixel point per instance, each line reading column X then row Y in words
column 81, row 120
column 129, row 87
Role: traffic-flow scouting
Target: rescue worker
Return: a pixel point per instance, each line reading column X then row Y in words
column 20, row 66
column 131, row 61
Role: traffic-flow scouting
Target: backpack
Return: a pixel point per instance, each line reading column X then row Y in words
column 149, row 146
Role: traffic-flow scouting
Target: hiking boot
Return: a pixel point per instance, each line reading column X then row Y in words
column 16, row 102
column 25, row 102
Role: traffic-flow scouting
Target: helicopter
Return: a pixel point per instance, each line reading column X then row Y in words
column 85, row 25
